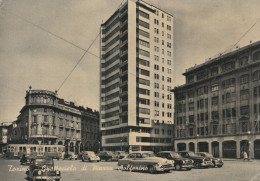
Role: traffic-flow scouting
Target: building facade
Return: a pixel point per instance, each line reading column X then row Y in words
column 217, row 110
column 3, row 135
column 47, row 119
column 136, row 75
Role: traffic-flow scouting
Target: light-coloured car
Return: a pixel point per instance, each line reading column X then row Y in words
column 89, row 156
column 145, row 161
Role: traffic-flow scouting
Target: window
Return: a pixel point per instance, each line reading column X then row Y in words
column 228, row 83
column 214, row 88
column 244, row 79
column 144, row 72
column 202, row 90
column 228, row 66
column 244, row 111
column 214, row 71
column 202, row 75
column 191, row 106
column 143, row 52
column 144, row 91
column 143, row 33
column 244, row 94
column 256, row 75
column 256, row 56
column 144, row 111
column 144, row 43
column 144, row 81
column 215, row 115
column 243, row 60
column 143, row 14
column 144, row 62
column 142, row 23
column 169, row 36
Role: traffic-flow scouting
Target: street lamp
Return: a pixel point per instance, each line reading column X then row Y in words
column 249, row 132
column 98, row 146
column 197, row 142
column 121, row 140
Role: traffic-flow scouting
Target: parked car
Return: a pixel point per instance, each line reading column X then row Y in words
column 145, row 161
column 121, row 154
column 26, row 160
column 89, row 156
column 108, row 156
column 199, row 161
column 216, row 161
column 42, row 169
column 179, row 161
column 70, row 156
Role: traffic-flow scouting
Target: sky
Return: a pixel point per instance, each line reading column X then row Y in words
column 30, row 56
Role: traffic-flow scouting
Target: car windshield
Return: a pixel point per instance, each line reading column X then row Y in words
column 90, row 153
column 208, row 155
column 192, row 154
column 43, row 162
column 175, row 155
column 109, row 152
column 144, row 155
column 121, row 153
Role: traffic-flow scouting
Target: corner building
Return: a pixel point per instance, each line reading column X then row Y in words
column 218, row 109
column 136, row 74
column 47, row 119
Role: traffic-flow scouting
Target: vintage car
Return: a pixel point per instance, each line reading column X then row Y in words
column 216, row 161
column 108, row 156
column 179, row 161
column 70, row 156
column 43, row 169
column 145, row 161
column 89, row 156
column 199, row 161
column 26, row 160
column 121, row 154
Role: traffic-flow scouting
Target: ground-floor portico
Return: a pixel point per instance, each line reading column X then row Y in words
column 224, row 146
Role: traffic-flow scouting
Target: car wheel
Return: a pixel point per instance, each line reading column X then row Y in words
column 189, row 168
column 197, row 165
column 177, row 167
column 151, row 169
column 219, row 166
column 82, row 159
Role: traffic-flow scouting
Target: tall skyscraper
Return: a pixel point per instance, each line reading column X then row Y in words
column 136, row 76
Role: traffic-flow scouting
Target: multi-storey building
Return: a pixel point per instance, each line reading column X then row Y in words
column 136, row 75
column 3, row 135
column 47, row 119
column 217, row 109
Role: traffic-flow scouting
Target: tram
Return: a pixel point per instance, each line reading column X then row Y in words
column 18, row 150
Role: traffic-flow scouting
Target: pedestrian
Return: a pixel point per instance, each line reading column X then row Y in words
column 245, row 155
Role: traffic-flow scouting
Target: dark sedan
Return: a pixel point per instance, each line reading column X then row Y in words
column 217, row 162
column 199, row 161
column 179, row 161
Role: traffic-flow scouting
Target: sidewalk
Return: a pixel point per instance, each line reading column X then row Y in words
column 239, row 159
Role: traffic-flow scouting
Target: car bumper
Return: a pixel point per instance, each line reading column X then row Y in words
column 207, row 164
column 187, row 166
column 48, row 178
column 164, row 168
column 219, row 163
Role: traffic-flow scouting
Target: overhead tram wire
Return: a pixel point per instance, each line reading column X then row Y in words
column 49, row 32
column 242, row 36
column 86, row 51
column 78, row 62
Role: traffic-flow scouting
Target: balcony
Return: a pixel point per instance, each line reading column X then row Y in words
column 61, row 125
